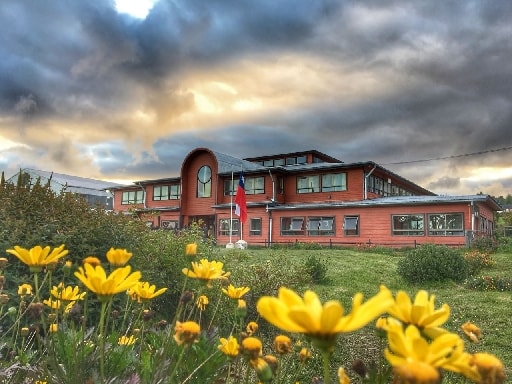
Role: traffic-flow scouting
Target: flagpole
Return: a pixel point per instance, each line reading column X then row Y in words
column 231, row 208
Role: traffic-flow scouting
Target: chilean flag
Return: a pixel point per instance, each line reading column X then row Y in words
column 240, row 200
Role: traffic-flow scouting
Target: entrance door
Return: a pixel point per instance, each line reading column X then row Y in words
column 206, row 223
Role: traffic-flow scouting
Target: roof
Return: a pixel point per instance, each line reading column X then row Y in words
column 80, row 185
column 398, row 200
column 314, row 152
column 228, row 164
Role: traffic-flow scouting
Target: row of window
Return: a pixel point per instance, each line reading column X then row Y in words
column 439, row 224
column 385, row 187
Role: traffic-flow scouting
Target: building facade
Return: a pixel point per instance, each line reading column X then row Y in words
column 305, row 197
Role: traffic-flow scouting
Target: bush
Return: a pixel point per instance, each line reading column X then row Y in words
column 316, row 269
column 477, row 261
column 484, row 244
column 432, row 262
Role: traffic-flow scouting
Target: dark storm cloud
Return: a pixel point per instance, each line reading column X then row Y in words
column 390, row 82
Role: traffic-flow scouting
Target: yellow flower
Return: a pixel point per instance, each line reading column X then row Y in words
column 252, row 347
column 252, row 328
column 24, row 331
column 191, row 249
column 118, row 257
column 489, row 367
column 68, row 293
column 53, row 304
column 420, row 313
column 38, row 257
column 54, row 327
column 206, row 270
column 93, row 260
column 283, row 344
column 445, row 351
column 342, row 376
column 262, row 368
column 471, row 331
column 416, row 372
column 25, row 290
column 125, row 340
column 322, row 323
column 3, row 262
column 235, row 293
column 304, row 354
column 229, row 346
column 97, row 281
column 68, row 264
column 186, row 332
column 202, row 302
column 144, row 291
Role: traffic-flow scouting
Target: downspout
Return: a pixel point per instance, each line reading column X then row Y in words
column 269, row 211
column 365, row 182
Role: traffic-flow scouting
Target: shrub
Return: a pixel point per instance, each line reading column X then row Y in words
column 477, row 261
column 316, row 269
column 484, row 244
column 432, row 262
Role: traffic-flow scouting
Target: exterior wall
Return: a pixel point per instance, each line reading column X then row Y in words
column 375, row 221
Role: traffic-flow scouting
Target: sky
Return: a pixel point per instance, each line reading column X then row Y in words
column 102, row 90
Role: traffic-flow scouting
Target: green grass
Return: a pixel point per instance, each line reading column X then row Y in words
column 351, row 271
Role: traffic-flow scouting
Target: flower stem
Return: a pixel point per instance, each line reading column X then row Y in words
column 101, row 340
column 326, row 364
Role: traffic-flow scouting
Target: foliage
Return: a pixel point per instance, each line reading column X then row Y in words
column 36, row 214
column 485, row 244
column 316, row 269
column 430, row 262
column 490, row 283
column 477, row 261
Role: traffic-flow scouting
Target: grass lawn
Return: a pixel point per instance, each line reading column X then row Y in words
column 351, row 271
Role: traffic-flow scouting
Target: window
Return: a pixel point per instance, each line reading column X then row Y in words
column 254, row 185
column 308, row 184
column 291, row 226
column 224, row 227
column 333, row 182
column 449, row 224
column 132, row 197
column 229, row 187
column 321, row 226
column 166, row 192
column 255, row 227
column 204, row 181
column 169, row 224
column 351, row 225
column 408, row 225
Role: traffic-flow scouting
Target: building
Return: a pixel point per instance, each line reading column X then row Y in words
column 305, row 197
column 96, row 192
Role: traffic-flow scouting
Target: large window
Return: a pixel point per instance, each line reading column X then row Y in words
column 166, row 192
column 308, row 184
column 351, row 225
column 446, row 224
column 132, row 197
column 204, row 181
column 292, row 226
column 408, row 225
column 255, row 227
column 224, row 227
column 253, row 186
column 333, row 182
column 320, row 226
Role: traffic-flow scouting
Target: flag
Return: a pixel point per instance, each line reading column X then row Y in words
column 240, row 200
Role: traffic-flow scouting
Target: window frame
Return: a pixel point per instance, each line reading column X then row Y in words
column 411, row 231
column 170, row 225
column 173, row 192
column 351, row 232
column 204, row 187
column 289, row 222
column 320, row 231
column 255, row 226
column 313, row 186
column 138, row 197
column 223, row 229
column 334, row 187
column 446, row 232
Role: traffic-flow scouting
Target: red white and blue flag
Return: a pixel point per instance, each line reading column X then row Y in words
column 240, row 200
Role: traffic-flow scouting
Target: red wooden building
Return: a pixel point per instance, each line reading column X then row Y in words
column 305, row 197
